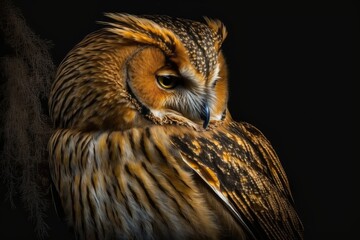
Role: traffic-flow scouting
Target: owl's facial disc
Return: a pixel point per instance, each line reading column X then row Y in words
column 167, row 93
column 185, row 96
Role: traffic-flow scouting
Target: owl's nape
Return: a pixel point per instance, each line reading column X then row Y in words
column 145, row 148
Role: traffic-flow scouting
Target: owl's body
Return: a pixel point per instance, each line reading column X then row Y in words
column 145, row 147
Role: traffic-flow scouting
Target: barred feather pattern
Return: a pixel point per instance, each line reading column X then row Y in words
column 139, row 183
column 127, row 185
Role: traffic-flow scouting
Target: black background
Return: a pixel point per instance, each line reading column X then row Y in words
column 291, row 75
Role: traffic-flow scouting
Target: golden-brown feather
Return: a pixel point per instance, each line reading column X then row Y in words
column 132, row 159
column 127, row 184
column 247, row 173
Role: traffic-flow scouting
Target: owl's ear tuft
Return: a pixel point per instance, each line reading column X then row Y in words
column 141, row 30
column 218, row 29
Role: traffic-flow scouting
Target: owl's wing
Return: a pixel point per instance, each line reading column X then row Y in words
column 242, row 168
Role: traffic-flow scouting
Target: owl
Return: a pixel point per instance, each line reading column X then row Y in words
column 144, row 146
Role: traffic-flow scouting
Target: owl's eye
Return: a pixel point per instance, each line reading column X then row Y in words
column 167, row 81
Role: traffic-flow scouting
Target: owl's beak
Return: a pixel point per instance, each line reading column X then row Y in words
column 205, row 115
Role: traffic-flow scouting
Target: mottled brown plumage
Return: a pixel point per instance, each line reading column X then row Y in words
column 145, row 147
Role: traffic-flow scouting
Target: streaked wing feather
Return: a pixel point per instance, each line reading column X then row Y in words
column 240, row 165
column 268, row 155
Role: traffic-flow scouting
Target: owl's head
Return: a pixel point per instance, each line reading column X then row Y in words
column 141, row 70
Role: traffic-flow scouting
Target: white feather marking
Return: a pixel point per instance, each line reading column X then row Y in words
column 215, row 76
column 189, row 74
column 157, row 113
